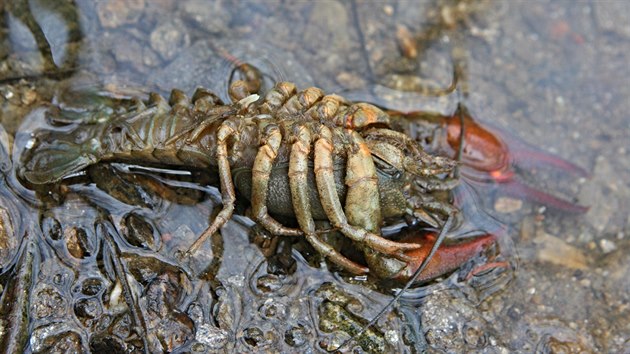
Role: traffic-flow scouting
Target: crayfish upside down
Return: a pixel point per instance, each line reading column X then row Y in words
column 304, row 155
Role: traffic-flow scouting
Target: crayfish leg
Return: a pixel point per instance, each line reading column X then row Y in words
column 261, row 171
column 298, row 181
column 332, row 205
column 228, row 195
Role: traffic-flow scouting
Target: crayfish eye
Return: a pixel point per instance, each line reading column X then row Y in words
column 386, row 168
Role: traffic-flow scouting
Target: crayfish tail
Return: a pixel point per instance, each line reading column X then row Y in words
column 50, row 160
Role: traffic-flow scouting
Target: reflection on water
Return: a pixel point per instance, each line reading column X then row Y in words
column 105, row 252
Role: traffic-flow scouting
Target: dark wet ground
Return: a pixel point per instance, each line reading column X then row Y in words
column 555, row 74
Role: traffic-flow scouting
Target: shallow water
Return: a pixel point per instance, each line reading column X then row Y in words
column 554, row 74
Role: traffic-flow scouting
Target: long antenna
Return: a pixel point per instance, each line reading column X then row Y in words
column 445, row 229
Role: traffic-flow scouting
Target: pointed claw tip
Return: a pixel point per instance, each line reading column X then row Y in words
column 532, row 157
column 410, row 246
column 403, row 257
column 576, row 209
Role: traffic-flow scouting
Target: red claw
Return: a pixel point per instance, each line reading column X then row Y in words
column 490, row 155
column 447, row 259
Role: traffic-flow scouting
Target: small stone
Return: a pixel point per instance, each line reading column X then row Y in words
column 76, row 242
column 127, row 51
column 92, row 286
column 198, row 348
column 268, row 283
column 607, row 246
column 296, row 336
column 406, row 42
column 556, row 251
column 49, row 302
column 29, row 97
column 237, row 280
column 507, row 205
column 350, row 81
column 169, row 39
column 612, row 16
column 560, row 101
column 115, row 13
column 8, row 94
column 87, row 308
column 149, row 58
column 8, row 241
column 211, row 16
column 272, row 310
column 391, row 336
column 211, row 336
column 254, row 337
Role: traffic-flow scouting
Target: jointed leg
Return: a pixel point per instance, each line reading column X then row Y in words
column 228, row 197
column 277, row 96
column 326, row 108
column 260, row 182
column 332, row 205
column 363, row 205
column 298, row 180
column 302, row 101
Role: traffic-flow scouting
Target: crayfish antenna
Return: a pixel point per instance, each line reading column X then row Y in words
column 445, row 230
column 459, row 85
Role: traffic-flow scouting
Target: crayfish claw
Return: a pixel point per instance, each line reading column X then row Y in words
column 518, row 189
column 447, row 259
column 403, row 257
column 492, row 156
column 388, row 247
column 531, row 158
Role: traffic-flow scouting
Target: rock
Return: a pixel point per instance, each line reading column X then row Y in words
column 350, row 81
column 169, row 39
column 210, row 16
column 128, row 51
column 115, row 13
column 507, row 205
column 556, row 251
column 612, row 16
column 8, row 241
column 607, row 246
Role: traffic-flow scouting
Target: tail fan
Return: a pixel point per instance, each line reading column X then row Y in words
column 51, row 157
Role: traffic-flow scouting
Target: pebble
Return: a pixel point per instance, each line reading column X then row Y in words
column 612, row 16
column 607, row 246
column 169, row 39
column 115, row 13
column 128, row 51
column 29, row 97
column 406, row 42
column 350, row 80
column 210, row 16
column 507, row 205
column 211, row 336
column 556, row 251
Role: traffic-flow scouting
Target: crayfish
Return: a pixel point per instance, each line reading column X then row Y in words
column 305, row 155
